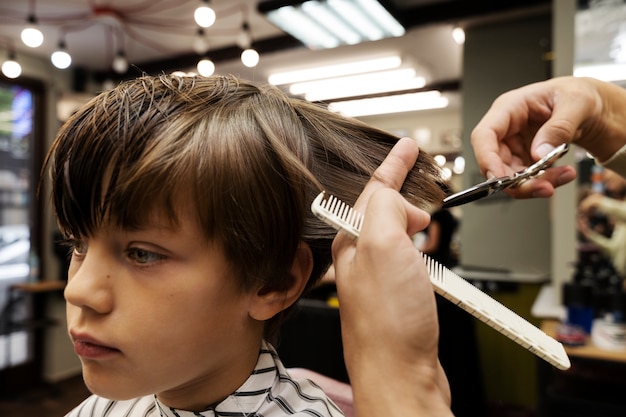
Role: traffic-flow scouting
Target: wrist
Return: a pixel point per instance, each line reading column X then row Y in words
column 606, row 135
column 410, row 390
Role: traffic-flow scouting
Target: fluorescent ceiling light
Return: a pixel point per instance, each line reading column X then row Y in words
column 358, row 85
column 323, row 24
column 604, row 72
column 338, row 70
column 390, row 104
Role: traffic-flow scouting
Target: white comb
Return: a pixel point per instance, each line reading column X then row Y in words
column 455, row 289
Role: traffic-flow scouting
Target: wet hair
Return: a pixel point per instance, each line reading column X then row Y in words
column 245, row 159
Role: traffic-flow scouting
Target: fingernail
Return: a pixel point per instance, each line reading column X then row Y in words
column 544, row 149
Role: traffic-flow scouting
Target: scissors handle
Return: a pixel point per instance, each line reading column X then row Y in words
column 494, row 185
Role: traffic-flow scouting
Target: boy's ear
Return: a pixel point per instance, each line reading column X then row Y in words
column 267, row 303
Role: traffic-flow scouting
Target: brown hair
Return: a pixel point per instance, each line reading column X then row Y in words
column 248, row 158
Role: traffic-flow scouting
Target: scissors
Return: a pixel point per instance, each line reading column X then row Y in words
column 493, row 185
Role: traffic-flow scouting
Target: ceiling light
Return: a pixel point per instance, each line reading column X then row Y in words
column 337, row 70
column 390, row 104
column 61, row 58
column 458, row 34
column 204, row 15
column 200, row 43
column 31, row 35
column 120, row 63
column 205, row 67
column 250, row 58
column 323, row 24
column 459, row 165
column 440, row 160
column 244, row 39
column 358, row 85
column 11, row 68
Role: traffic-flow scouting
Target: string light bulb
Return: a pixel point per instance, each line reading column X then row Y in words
column 120, row 63
column 250, row 58
column 205, row 67
column 243, row 38
column 204, row 15
column 31, row 35
column 11, row 68
column 200, row 43
column 61, row 58
column 458, row 34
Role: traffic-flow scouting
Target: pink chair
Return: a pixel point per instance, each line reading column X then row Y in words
column 339, row 392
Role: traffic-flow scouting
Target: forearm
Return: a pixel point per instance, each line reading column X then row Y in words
column 602, row 242
column 613, row 208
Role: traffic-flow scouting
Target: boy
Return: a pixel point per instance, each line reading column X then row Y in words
column 185, row 201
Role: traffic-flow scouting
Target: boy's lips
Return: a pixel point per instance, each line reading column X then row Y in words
column 89, row 347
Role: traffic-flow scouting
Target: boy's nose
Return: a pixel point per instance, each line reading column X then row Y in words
column 89, row 283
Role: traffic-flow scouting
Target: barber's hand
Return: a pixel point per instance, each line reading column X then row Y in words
column 523, row 125
column 388, row 312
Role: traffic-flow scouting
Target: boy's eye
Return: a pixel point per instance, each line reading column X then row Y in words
column 77, row 247
column 142, row 256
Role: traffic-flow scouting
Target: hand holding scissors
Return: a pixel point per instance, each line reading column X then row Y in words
column 494, row 185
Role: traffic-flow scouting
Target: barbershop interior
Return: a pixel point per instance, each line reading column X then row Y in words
column 426, row 69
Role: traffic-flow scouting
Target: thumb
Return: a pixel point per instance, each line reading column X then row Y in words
column 561, row 127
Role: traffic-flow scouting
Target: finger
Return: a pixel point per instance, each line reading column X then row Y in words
column 544, row 186
column 387, row 211
column 487, row 147
column 392, row 172
column 569, row 111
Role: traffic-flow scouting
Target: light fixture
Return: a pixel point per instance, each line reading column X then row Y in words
column 459, row 165
column 31, row 35
column 458, row 34
column 440, row 159
column 359, row 84
column 205, row 67
column 120, row 63
column 11, row 68
column 200, row 43
column 390, row 104
column 204, row 15
column 335, row 70
column 61, row 58
column 250, row 58
column 323, row 24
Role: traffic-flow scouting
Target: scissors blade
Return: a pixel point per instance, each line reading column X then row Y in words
column 473, row 193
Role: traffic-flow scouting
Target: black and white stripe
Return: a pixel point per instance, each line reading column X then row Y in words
column 268, row 392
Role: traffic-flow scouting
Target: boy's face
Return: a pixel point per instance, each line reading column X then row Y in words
column 157, row 310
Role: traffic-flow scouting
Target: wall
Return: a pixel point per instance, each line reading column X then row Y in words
column 505, row 233
column 564, row 205
column 60, row 360
column 514, row 234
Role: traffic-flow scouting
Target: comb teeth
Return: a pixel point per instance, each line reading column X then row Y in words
column 456, row 289
column 338, row 214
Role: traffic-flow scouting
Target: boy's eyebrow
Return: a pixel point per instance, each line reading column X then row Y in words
column 162, row 222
